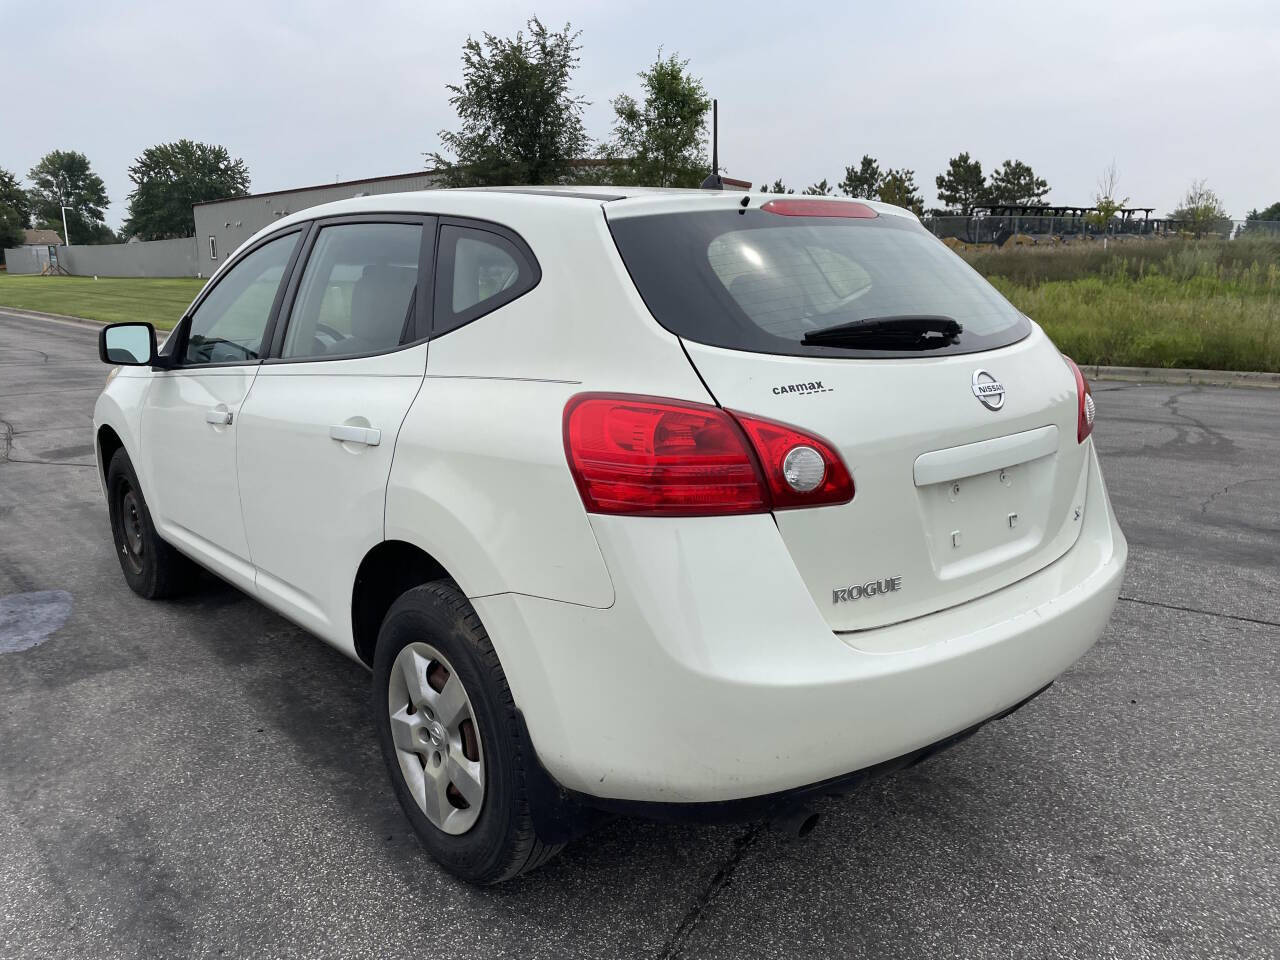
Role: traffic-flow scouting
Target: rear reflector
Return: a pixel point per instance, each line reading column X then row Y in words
column 819, row 208
column 650, row 456
column 1085, row 410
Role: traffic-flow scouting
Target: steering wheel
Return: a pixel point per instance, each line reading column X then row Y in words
column 328, row 331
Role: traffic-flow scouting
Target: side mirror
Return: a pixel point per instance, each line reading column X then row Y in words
column 128, row 344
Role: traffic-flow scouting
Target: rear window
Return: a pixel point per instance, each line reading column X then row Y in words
column 758, row 281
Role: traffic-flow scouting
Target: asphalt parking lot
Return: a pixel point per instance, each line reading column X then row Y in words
column 198, row 778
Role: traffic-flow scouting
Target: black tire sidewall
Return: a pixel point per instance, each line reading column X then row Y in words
column 430, row 614
column 119, row 474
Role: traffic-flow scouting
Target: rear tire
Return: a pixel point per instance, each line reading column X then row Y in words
column 430, row 640
column 151, row 567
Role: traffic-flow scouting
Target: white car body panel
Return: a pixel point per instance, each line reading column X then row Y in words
column 196, row 505
column 654, row 659
column 313, row 505
column 886, row 414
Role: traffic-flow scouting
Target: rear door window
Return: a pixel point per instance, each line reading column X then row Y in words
column 757, row 281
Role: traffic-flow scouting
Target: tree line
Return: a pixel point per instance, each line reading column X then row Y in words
column 167, row 178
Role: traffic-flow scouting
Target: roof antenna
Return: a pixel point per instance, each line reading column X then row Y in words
column 714, row 182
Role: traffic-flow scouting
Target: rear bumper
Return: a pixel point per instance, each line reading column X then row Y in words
column 713, row 678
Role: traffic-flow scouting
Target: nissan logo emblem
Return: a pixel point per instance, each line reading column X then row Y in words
column 988, row 389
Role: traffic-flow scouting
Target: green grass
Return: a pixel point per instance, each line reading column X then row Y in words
column 109, row 299
column 1207, row 304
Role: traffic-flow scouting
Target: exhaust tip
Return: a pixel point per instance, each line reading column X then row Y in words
column 796, row 823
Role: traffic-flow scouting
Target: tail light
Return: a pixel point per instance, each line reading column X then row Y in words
column 649, row 456
column 802, row 470
column 1085, row 410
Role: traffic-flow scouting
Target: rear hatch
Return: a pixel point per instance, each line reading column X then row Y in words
column 839, row 318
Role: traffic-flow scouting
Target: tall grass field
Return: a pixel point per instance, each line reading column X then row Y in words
column 1208, row 304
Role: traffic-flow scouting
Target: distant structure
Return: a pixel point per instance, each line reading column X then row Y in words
column 1036, row 223
column 222, row 225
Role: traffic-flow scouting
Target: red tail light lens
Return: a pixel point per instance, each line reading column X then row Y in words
column 1085, row 410
column 649, row 456
column 802, row 470
column 645, row 456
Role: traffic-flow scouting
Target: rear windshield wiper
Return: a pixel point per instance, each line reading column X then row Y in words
column 909, row 332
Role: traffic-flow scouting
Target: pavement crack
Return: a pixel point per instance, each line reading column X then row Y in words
column 1204, row 504
column 1207, row 613
column 722, row 878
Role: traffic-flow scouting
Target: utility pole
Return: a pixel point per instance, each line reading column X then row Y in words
column 62, row 195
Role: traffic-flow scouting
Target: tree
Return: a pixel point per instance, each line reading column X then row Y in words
column 169, row 177
column 1258, row 221
column 1016, row 184
column 11, row 229
column 862, row 182
column 1105, row 199
column 819, row 189
column 1200, row 210
column 520, row 121
column 14, row 197
column 963, row 186
column 899, row 188
column 778, row 187
column 64, row 178
column 1266, row 215
column 661, row 142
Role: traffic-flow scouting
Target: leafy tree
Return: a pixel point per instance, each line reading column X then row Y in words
column 863, row 181
column 1265, row 215
column 1015, row 183
column 1201, row 211
column 819, row 189
column 520, row 121
column 13, row 196
column 778, row 187
column 1257, row 221
column 169, row 177
column 64, row 178
column 11, row 229
column 899, row 188
column 1105, row 199
column 963, row 186
column 661, row 142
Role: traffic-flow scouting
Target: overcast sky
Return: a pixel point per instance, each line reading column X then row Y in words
column 309, row 92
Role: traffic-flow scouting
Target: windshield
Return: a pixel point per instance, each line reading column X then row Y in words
column 758, row 281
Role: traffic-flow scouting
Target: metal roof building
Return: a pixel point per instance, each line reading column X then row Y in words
column 222, row 225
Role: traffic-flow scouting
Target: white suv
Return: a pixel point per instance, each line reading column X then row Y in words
column 685, row 504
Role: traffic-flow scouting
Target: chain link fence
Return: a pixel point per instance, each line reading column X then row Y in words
column 1019, row 230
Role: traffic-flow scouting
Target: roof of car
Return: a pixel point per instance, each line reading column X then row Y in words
column 494, row 203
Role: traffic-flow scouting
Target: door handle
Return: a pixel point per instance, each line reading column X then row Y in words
column 369, row 436
column 218, row 417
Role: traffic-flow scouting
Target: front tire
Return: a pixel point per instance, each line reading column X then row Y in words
column 451, row 738
column 151, row 567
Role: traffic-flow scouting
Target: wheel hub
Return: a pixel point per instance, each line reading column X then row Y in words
column 437, row 738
